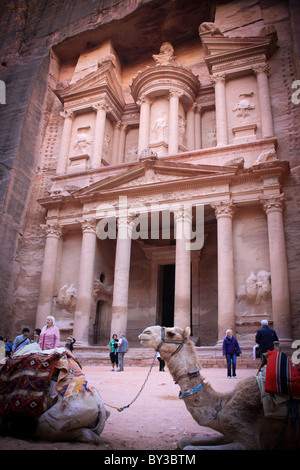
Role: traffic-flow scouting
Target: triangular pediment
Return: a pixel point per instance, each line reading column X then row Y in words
column 102, row 80
column 154, row 173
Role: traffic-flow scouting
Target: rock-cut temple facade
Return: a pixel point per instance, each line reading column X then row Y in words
column 164, row 184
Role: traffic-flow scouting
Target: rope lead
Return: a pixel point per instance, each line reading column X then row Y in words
column 138, row 394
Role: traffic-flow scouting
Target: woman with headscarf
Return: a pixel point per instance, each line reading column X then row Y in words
column 49, row 337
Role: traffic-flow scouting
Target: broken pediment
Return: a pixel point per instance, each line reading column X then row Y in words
column 104, row 80
column 220, row 51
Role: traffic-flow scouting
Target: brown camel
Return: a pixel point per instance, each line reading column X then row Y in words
column 237, row 415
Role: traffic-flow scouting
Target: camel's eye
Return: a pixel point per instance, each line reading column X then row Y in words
column 171, row 334
column 147, row 332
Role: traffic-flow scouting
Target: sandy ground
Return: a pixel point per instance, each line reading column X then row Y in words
column 155, row 421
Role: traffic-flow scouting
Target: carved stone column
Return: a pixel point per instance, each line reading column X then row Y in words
column 101, row 109
column 182, row 304
column 173, row 121
column 198, row 126
column 221, row 111
column 116, row 139
column 122, row 141
column 144, row 129
column 274, row 206
column 261, row 72
column 190, row 129
column 226, row 297
column 121, row 277
column 85, row 282
column 65, row 141
column 53, row 234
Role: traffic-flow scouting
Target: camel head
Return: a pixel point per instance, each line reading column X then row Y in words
column 164, row 339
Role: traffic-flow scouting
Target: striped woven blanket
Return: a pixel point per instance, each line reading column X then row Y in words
column 24, row 383
column 282, row 375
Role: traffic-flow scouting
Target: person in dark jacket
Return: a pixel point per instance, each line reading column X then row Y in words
column 265, row 338
column 230, row 349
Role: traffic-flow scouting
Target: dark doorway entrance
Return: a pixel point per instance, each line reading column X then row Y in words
column 166, row 297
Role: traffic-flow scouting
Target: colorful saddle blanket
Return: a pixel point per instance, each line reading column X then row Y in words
column 24, row 382
column 282, row 376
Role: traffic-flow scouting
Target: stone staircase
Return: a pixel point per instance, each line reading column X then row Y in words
column 143, row 357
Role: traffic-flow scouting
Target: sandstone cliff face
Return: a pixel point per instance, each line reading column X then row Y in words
column 30, row 28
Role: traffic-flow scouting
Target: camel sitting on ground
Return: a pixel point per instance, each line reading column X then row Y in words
column 237, row 416
column 71, row 410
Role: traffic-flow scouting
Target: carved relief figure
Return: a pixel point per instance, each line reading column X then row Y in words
column 83, row 142
column 159, row 130
column 66, row 298
column 181, row 130
column 243, row 107
column 257, row 288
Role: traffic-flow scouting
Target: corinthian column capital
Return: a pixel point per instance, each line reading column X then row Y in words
column 273, row 203
column 102, row 104
column 88, row 225
column 67, row 113
column 218, row 78
column 52, row 230
column 261, row 68
column 224, row 209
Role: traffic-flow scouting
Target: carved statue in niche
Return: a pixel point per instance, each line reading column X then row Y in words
column 66, row 298
column 257, row 289
column 106, row 147
column 159, row 130
column 181, row 130
column 83, row 141
column 131, row 155
column 243, row 107
column 166, row 55
column 211, row 138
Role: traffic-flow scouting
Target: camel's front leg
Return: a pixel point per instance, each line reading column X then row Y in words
column 218, row 439
column 72, row 419
column 231, row 446
column 217, row 442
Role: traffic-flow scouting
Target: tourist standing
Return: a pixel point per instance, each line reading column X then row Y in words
column 21, row 340
column 161, row 362
column 113, row 345
column 49, row 337
column 122, row 350
column 8, row 347
column 230, row 349
column 265, row 338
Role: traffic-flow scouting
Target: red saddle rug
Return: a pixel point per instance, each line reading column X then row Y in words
column 24, row 381
column 282, row 376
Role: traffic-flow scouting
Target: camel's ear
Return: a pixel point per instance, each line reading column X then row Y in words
column 186, row 332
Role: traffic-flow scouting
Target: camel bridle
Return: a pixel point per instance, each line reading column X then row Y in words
column 190, row 374
column 175, row 341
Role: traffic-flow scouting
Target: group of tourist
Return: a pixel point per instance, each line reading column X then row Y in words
column 49, row 338
column 265, row 339
column 118, row 349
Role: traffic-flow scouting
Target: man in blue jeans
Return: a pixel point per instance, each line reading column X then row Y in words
column 230, row 348
column 122, row 349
